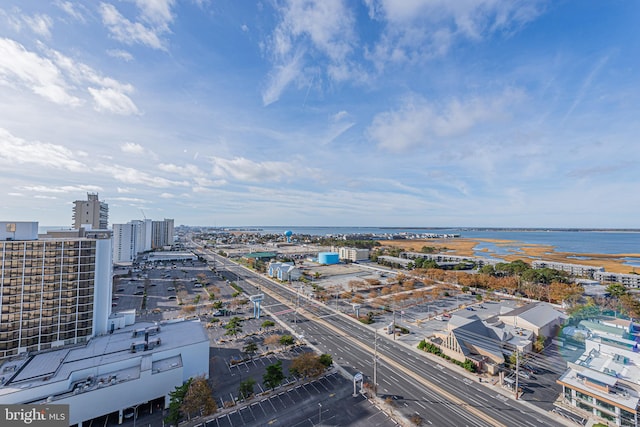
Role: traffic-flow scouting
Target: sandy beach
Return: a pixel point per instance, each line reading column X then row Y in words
column 518, row 250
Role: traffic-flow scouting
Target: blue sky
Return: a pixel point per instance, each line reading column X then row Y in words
column 327, row 112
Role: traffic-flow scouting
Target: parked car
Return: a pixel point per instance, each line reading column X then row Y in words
column 171, row 297
column 197, row 285
column 138, row 293
column 171, row 288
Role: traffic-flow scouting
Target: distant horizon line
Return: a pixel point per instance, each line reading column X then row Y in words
column 394, row 227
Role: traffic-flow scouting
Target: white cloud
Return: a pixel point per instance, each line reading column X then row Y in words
column 188, row 170
column 128, row 199
column 167, row 196
column 156, row 12
column 62, row 189
column 55, row 76
column 417, row 30
column 132, row 148
column 113, row 101
column 123, row 190
column 134, row 176
column 39, row 24
column 21, row 68
column 419, row 122
column 70, row 9
column 120, row 54
column 13, row 22
column 243, row 169
column 16, row 151
column 280, row 77
column 129, row 32
column 320, row 28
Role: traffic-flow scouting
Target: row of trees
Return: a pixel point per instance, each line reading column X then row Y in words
column 306, row 365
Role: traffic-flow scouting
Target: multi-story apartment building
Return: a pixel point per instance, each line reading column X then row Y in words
column 124, row 243
column 90, row 213
column 352, row 254
column 604, row 381
column 53, row 292
column 572, row 269
column 629, row 280
column 161, row 233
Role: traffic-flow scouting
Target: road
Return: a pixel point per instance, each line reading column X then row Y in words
column 441, row 396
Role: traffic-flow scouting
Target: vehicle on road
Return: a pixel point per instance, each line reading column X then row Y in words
column 138, row 293
column 171, row 288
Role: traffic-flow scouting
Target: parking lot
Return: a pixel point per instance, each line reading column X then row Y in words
column 325, row 401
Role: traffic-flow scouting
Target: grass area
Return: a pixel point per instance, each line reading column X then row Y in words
column 524, row 251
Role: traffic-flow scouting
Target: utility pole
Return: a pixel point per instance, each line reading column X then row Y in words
column 394, row 322
column 375, row 363
column 517, row 368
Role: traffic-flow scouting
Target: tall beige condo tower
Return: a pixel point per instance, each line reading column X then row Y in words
column 90, row 212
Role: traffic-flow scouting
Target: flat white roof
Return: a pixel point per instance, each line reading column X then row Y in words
column 110, row 354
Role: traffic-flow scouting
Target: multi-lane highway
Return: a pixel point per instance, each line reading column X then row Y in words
column 416, row 384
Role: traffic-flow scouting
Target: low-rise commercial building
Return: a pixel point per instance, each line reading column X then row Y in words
column 538, row 317
column 110, row 373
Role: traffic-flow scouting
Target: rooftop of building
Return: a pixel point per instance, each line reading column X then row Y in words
column 110, row 354
column 536, row 313
column 606, row 363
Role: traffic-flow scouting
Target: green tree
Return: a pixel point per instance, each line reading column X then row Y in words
column 250, row 348
column 616, row 290
column 268, row 324
column 246, row 388
column 538, row 346
column 326, row 359
column 273, row 375
column 286, row 340
column 234, row 327
column 175, row 403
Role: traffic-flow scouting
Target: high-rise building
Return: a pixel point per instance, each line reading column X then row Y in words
column 53, row 291
column 161, row 233
column 124, row 243
column 90, row 213
column 130, row 239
